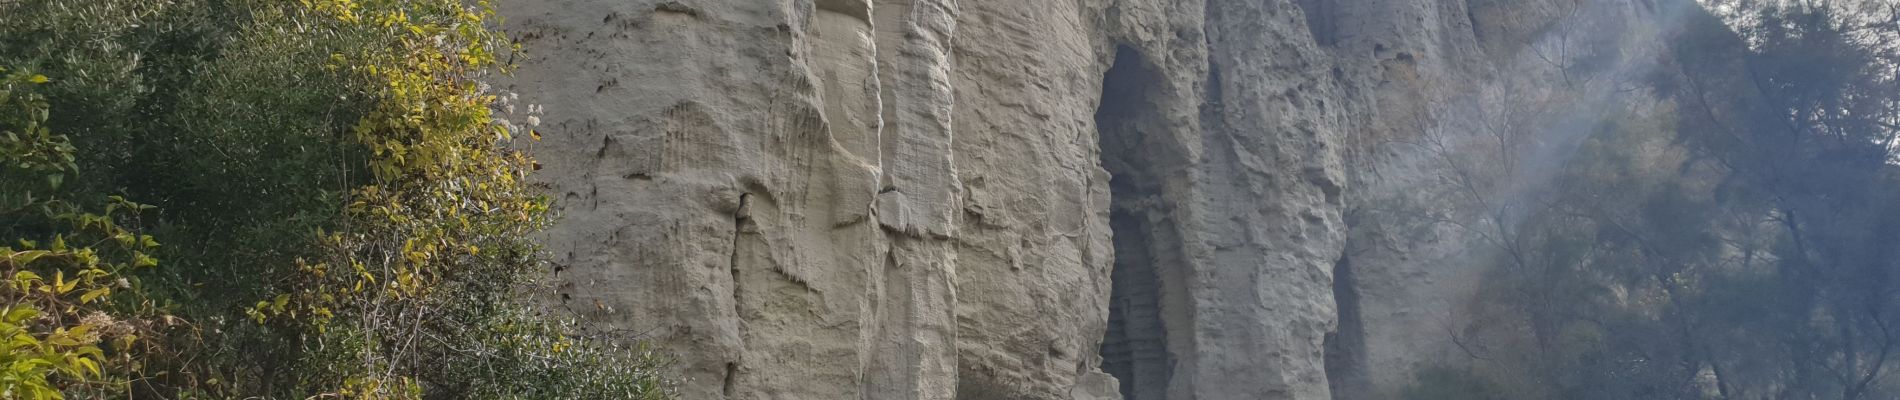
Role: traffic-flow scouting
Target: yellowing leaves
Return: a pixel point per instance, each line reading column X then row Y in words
column 61, row 285
column 443, row 216
column 143, row 260
column 94, row 294
column 49, row 327
column 26, row 280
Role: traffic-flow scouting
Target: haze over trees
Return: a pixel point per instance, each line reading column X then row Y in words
column 1738, row 242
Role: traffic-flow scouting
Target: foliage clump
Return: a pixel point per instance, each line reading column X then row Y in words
column 58, row 314
column 344, row 213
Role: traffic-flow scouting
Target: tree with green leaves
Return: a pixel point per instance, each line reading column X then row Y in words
column 344, row 212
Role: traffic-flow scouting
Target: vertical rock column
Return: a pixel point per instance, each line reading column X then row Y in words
column 736, row 185
column 661, row 153
column 1032, row 241
column 913, row 352
column 1266, row 214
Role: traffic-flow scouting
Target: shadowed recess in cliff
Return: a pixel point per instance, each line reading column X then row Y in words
column 1321, row 16
column 1135, row 348
column 1345, row 347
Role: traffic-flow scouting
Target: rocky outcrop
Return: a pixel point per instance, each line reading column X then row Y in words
column 935, row 199
column 1059, row 199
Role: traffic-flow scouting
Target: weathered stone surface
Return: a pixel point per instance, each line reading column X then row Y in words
column 935, row 199
column 906, row 198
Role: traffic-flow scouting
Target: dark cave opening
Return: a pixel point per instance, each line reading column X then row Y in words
column 1135, row 346
column 1345, row 347
column 1321, row 20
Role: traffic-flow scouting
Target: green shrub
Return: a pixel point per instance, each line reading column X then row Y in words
column 58, row 317
column 343, row 213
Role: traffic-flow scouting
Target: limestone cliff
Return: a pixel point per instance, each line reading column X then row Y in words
column 1007, row 199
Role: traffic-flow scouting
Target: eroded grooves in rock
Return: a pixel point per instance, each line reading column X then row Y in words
column 1135, row 349
column 911, row 199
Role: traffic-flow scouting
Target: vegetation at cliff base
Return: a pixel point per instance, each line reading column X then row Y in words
column 276, row 199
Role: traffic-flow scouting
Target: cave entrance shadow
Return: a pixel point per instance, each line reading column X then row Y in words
column 1144, row 299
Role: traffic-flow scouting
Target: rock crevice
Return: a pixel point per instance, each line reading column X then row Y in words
column 1135, row 348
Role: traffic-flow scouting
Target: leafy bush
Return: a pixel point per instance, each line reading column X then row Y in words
column 344, row 213
column 56, row 312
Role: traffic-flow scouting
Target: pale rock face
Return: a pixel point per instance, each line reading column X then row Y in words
column 998, row 199
column 906, row 198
